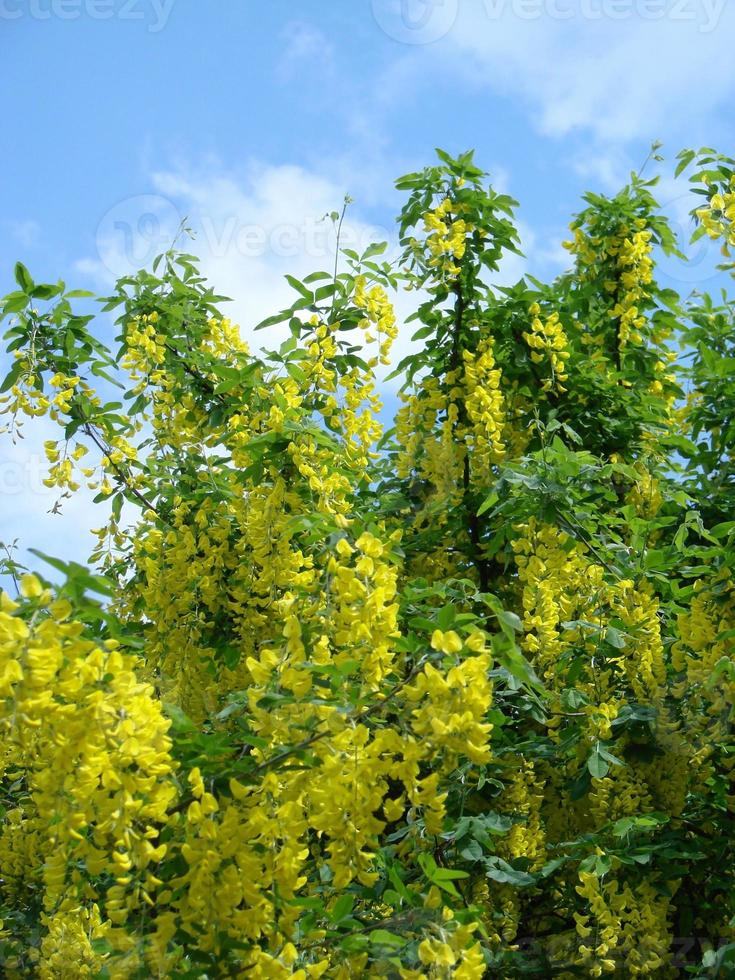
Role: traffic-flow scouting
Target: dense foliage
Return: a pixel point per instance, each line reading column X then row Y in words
column 448, row 700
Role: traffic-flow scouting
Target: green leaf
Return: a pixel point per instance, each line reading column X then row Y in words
column 46, row 290
column 300, row 288
column 181, row 723
column 510, row 619
column 599, row 760
column 500, row 871
column 471, row 851
column 685, row 158
column 342, row 908
column 493, row 822
column 77, row 574
column 381, row 937
column 551, row 866
column 487, row 503
column 511, row 659
column 377, row 248
column 11, row 377
column 609, row 757
column 15, row 302
column 615, row 638
column 572, row 699
column 23, row 277
column 597, row 864
column 117, row 503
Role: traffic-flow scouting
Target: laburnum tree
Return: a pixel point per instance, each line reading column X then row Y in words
column 448, row 699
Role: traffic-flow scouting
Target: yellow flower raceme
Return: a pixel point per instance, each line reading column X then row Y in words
column 379, row 314
column 451, row 708
column 485, row 408
column 549, row 346
column 446, row 241
column 626, row 928
column 718, row 216
column 93, row 743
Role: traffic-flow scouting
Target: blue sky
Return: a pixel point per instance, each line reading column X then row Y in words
column 123, row 116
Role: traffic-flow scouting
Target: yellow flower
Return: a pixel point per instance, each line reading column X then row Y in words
column 30, row 587
column 448, row 642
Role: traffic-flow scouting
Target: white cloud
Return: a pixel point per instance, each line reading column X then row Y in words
column 609, row 166
column 24, row 232
column 305, row 49
column 621, row 69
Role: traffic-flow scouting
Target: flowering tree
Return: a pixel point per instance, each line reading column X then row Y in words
column 448, row 700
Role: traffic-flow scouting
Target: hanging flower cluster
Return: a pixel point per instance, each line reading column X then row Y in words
column 549, row 345
column 717, row 217
column 446, row 241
